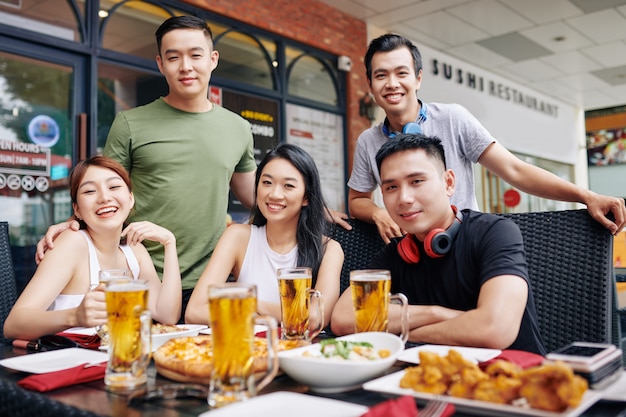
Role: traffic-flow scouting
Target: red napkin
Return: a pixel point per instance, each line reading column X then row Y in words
column 88, row 341
column 518, row 357
column 263, row 333
column 66, row 377
column 398, row 407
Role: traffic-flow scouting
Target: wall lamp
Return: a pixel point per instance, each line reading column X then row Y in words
column 367, row 107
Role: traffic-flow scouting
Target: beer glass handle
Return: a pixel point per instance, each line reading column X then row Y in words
column 316, row 299
column 145, row 320
column 404, row 306
column 271, row 336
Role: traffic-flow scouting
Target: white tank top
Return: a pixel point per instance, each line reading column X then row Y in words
column 66, row 301
column 261, row 263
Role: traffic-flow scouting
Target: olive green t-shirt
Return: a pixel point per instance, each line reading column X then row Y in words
column 180, row 165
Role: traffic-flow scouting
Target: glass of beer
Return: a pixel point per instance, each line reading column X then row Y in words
column 371, row 298
column 129, row 331
column 104, row 276
column 232, row 309
column 299, row 304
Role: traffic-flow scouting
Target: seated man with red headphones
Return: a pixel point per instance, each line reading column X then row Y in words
column 463, row 272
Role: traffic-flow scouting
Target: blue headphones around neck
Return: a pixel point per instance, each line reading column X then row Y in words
column 411, row 127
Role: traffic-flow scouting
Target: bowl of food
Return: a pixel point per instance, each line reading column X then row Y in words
column 344, row 363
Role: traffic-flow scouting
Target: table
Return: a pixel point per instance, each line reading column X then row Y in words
column 94, row 397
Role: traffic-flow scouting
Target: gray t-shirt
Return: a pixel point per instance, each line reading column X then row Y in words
column 464, row 139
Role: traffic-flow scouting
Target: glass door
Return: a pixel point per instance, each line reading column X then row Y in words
column 39, row 127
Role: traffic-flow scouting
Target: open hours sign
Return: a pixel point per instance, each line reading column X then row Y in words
column 24, row 158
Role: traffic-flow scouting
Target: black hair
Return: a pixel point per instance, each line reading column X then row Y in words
column 390, row 42
column 409, row 141
column 181, row 22
column 311, row 222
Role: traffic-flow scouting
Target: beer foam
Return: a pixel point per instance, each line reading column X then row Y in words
column 381, row 277
column 126, row 287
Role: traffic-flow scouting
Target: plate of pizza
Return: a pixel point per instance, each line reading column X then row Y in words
column 190, row 359
column 161, row 333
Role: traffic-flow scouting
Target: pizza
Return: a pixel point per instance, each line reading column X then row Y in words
column 189, row 359
column 157, row 328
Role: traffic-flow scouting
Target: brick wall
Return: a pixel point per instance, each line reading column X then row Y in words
column 315, row 24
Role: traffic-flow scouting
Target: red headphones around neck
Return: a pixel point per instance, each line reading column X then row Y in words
column 437, row 243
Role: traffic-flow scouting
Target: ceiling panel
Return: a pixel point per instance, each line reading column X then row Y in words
column 538, row 43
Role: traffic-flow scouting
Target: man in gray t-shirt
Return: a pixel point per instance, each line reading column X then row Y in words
column 394, row 72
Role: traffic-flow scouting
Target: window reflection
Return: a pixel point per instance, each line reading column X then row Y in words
column 130, row 29
column 309, row 78
column 490, row 189
column 245, row 59
column 122, row 88
column 52, row 18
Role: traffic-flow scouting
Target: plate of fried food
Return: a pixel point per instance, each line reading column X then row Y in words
column 502, row 388
column 474, row 354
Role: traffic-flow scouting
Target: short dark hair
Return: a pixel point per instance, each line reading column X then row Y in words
column 409, row 141
column 181, row 22
column 390, row 42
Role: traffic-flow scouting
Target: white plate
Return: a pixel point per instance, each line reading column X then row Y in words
column 289, row 404
column 186, row 330
column 476, row 355
column 617, row 390
column 160, row 338
column 54, row 360
column 390, row 384
column 86, row 331
column 257, row 328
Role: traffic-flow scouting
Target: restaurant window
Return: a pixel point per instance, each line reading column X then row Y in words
column 58, row 18
column 129, row 26
column 122, row 88
column 310, row 78
column 246, row 59
column 495, row 195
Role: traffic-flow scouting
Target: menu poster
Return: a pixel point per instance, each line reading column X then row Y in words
column 320, row 133
column 263, row 117
column 606, row 147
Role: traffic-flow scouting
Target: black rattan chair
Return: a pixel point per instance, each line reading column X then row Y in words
column 570, row 262
column 8, row 292
column 18, row 402
column 359, row 246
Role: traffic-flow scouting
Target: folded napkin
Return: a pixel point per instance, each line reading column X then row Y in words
column 89, row 341
column 519, row 357
column 263, row 333
column 397, row 407
column 64, row 378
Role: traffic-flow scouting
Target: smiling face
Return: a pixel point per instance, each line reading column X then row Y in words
column 187, row 59
column 416, row 191
column 103, row 198
column 394, row 85
column 281, row 191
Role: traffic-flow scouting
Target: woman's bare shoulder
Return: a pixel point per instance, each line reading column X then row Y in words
column 238, row 231
column 70, row 240
column 330, row 242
